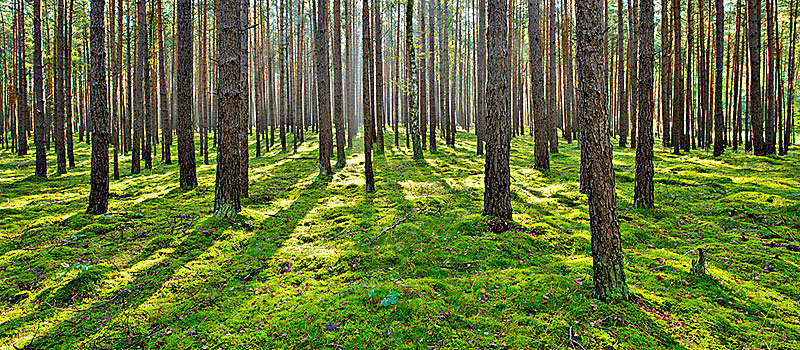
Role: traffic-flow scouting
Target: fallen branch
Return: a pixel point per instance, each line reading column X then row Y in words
column 398, row 222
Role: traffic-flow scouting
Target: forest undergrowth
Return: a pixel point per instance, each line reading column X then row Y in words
column 314, row 262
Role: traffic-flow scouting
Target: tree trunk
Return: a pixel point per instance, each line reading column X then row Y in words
column 68, row 90
column 23, row 121
column 643, row 187
column 284, row 78
column 184, row 82
column 497, row 180
column 480, row 80
column 769, row 94
column 754, row 69
column 665, row 77
column 338, row 100
column 40, row 123
column 633, row 16
column 789, row 124
column 378, row 42
column 144, row 56
column 244, row 126
column 162, row 73
column 432, row 93
column 608, row 265
column 231, row 106
column 98, row 197
column 411, row 83
column 537, row 107
column 366, row 59
column 60, row 61
column 552, row 114
column 323, row 87
column 622, row 100
column 677, row 91
column 719, row 127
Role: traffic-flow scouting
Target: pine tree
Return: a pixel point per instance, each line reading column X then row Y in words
column 497, row 179
column 231, row 105
column 643, row 186
column 98, row 197
column 183, row 98
column 608, row 263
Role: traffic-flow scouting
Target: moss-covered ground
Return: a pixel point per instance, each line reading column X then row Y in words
column 314, row 262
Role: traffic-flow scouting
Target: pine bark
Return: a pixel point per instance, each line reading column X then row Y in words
column 40, row 123
column 59, row 118
column 433, row 104
column 184, row 82
column 366, row 60
column 23, row 121
column 769, row 94
column 665, row 78
column 622, row 100
column 497, row 179
column 480, row 80
column 719, row 127
column 411, row 84
column 144, row 56
column 244, row 72
column 166, row 137
column 552, row 114
column 338, row 99
column 643, row 186
column 754, row 70
column 98, row 197
column 379, row 105
column 608, row 262
column 537, row 108
column 323, row 89
column 231, row 106
column 677, row 68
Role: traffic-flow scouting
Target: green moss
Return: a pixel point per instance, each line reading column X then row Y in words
column 308, row 260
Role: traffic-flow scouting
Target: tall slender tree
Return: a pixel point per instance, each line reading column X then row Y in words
column 665, row 74
column 608, row 262
column 633, row 32
column 166, row 137
column 552, row 113
column 677, row 68
column 366, row 60
column 183, row 98
column 411, row 83
column 58, row 96
column 719, row 121
column 643, row 186
column 323, row 87
column 433, row 104
column 338, row 99
column 754, row 69
column 480, row 79
column 231, row 99
column 378, row 42
column 40, row 123
column 98, row 197
column 244, row 126
column 538, row 108
column 68, row 89
column 622, row 100
column 497, row 179
column 23, row 122
column 769, row 93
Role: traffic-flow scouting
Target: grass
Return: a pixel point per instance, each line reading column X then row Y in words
column 314, row 262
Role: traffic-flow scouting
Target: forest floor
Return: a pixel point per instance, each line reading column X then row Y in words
column 314, row 262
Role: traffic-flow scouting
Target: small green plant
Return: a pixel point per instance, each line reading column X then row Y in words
column 66, row 268
column 390, row 299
